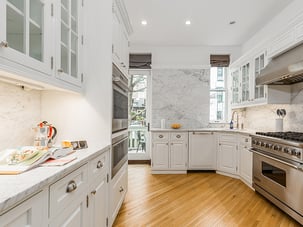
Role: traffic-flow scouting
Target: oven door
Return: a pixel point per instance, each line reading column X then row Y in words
column 120, row 109
column 281, row 179
column 119, row 153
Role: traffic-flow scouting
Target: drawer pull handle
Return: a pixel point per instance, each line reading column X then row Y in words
column 99, row 165
column 94, row 192
column 161, row 136
column 72, row 186
column 121, row 189
column 178, row 136
column 60, row 70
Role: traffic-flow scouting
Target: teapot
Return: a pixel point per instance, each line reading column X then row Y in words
column 45, row 134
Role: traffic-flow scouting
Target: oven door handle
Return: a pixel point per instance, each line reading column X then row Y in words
column 277, row 160
column 120, row 141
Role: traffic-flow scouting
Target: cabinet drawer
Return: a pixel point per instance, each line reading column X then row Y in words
column 227, row 138
column 67, row 190
column 245, row 141
column 98, row 166
column 160, row 136
column 178, row 136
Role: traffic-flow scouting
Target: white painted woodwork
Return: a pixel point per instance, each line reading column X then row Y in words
column 118, row 189
column 178, row 155
column 202, row 151
column 160, row 155
column 245, row 160
column 30, row 213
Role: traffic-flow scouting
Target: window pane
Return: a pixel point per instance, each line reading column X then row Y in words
column 217, row 76
column 217, row 105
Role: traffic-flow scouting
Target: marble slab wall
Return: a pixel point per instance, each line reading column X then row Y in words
column 19, row 112
column 180, row 96
column 263, row 118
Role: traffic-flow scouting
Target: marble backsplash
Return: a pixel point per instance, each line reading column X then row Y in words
column 180, row 96
column 19, row 112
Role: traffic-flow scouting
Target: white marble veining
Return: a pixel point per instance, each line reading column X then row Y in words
column 19, row 112
column 225, row 130
column 180, row 96
column 16, row 188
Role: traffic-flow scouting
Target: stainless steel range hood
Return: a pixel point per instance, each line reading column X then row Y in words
column 286, row 68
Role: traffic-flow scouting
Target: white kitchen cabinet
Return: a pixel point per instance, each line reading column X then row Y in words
column 235, row 86
column 121, row 31
column 69, row 41
column 227, row 153
column 30, row 213
column 245, row 160
column 260, row 62
column 26, row 36
column 118, row 189
column 245, row 83
column 202, row 151
column 169, row 151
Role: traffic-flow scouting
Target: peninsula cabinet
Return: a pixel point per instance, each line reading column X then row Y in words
column 169, row 152
column 227, row 161
column 41, row 42
column 30, row 213
column 245, row 160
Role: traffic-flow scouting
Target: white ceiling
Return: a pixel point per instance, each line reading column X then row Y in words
column 209, row 20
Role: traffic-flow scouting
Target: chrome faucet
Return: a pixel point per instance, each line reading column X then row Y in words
column 233, row 118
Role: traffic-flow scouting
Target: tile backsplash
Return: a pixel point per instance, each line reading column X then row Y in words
column 20, row 110
column 180, row 96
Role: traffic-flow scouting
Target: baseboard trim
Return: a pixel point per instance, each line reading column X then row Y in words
column 139, row 162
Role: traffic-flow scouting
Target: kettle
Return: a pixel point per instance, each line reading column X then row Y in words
column 45, row 134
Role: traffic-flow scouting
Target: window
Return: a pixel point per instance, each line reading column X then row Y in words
column 218, row 94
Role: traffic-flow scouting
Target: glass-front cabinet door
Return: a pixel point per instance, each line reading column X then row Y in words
column 25, row 33
column 235, row 86
column 260, row 63
column 245, row 88
column 69, row 40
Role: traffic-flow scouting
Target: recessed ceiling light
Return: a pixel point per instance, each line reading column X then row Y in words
column 144, row 22
column 188, row 22
column 232, row 22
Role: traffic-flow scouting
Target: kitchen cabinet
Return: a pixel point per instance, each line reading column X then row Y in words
column 245, row 160
column 118, row 189
column 121, row 31
column 245, row 83
column 260, row 62
column 30, row 213
column 25, row 35
column 235, row 86
column 169, row 151
column 69, row 41
column 98, row 190
column 202, row 151
column 227, row 153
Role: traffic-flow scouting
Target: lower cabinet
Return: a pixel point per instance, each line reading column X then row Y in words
column 227, row 153
column 118, row 189
column 169, row 151
column 30, row 213
column 245, row 160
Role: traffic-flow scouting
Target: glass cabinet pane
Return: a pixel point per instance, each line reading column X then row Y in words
column 64, row 35
column 36, row 11
column 35, row 42
column 64, row 59
column 15, row 29
column 19, row 4
column 74, row 65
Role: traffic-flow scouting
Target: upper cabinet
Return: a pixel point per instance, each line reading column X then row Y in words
column 121, row 31
column 25, row 34
column 41, row 42
column 69, row 41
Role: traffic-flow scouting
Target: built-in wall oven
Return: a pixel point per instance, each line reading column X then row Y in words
column 120, row 100
column 277, row 172
column 119, row 151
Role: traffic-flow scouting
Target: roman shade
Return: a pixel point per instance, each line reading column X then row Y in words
column 140, row 61
column 219, row 60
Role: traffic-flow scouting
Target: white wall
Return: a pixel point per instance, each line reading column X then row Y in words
column 88, row 116
column 19, row 113
column 184, row 56
column 273, row 27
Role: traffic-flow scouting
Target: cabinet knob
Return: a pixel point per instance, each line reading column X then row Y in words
column 4, row 44
column 72, row 186
column 94, row 192
column 60, row 71
column 99, row 164
column 178, row 136
column 121, row 189
column 161, row 136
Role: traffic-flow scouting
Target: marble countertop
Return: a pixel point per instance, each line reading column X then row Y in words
column 14, row 189
column 242, row 131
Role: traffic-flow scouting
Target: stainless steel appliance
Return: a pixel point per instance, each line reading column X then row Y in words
column 278, row 170
column 120, row 100
column 286, row 68
column 119, row 151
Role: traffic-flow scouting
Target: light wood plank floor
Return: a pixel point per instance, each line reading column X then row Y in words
column 195, row 199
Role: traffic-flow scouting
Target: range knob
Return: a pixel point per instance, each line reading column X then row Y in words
column 258, row 143
column 296, row 153
column 268, row 145
column 263, row 144
column 254, row 141
column 286, row 150
column 277, row 147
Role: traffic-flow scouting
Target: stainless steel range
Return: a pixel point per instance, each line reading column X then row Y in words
column 278, row 170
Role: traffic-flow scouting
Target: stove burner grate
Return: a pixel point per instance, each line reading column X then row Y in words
column 295, row 136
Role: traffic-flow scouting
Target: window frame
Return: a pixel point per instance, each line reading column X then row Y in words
column 225, row 91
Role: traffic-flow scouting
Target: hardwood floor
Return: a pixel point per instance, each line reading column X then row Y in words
column 195, row 199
